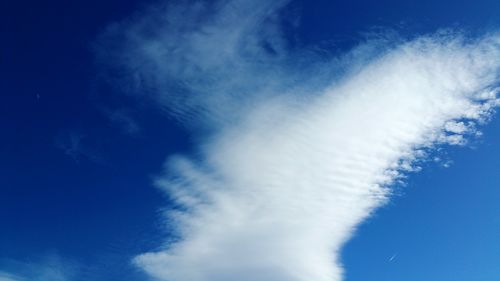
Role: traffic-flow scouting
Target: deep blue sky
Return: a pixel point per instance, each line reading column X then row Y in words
column 96, row 205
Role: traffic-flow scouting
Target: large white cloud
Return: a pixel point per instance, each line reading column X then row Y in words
column 300, row 151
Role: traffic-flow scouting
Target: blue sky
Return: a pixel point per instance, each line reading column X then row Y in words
column 104, row 127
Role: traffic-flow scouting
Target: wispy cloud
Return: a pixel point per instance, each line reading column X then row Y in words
column 72, row 144
column 123, row 119
column 300, row 150
column 49, row 268
column 4, row 276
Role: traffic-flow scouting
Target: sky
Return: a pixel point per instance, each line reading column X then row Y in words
column 249, row 140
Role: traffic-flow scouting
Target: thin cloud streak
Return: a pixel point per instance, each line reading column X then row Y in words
column 292, row 163
column 49, row 268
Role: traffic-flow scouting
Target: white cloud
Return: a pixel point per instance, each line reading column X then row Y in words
column 299, row 152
